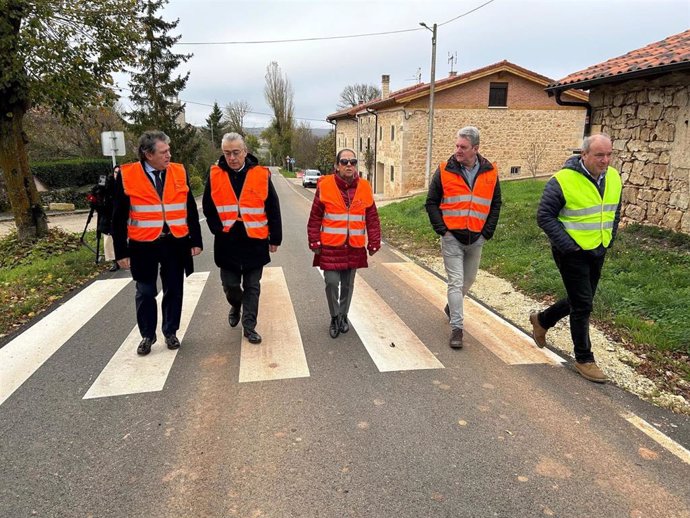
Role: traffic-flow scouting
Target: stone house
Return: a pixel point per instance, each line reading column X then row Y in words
column 508, row 103
column 642, row 100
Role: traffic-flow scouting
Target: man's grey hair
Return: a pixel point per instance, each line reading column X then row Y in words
column 233, row 137
column 147, row 142
column 470, row 133
column 587, row 141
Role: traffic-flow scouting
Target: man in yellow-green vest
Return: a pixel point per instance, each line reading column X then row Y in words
column 579, row 211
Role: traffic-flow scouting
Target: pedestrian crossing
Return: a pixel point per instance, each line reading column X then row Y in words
column 281, row 355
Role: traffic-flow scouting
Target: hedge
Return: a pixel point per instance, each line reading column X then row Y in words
column 71, row 173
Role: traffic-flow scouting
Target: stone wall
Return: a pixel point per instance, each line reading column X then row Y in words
column 648, row 122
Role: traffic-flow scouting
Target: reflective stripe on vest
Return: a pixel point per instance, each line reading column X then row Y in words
column 587, row 216
column 340, row 223
column 147, row 211
column 250, row 208
column 463, row 208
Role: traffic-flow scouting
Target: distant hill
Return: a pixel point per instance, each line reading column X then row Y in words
column 318, row 132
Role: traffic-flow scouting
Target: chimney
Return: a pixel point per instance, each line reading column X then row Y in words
column 385, row 86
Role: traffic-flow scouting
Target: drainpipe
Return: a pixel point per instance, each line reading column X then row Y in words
column 588, row 119
column 335, row 140
column 376, row 143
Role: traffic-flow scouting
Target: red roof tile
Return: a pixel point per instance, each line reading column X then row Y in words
column 672, row 51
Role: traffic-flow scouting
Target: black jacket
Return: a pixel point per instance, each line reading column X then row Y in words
column 121, row 216
column 551, row 203
column 435, row 195
column 235, row 250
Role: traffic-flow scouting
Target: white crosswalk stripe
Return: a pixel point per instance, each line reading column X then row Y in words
column 281, row 352
column 129, row 373
column 23, row 356
column 507, row 342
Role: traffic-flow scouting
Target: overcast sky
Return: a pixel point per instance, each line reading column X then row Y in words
column 550, row 37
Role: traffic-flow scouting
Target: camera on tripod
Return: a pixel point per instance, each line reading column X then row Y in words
column 97, row 196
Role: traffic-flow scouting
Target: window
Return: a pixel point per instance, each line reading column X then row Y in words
column 360, row 143
column 392, row 174
column 515, row 169
column 380, row 132
column 368, row 142
column 498, row 94
column 392, row 132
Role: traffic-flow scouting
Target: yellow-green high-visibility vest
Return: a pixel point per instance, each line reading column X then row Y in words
column 587, row 216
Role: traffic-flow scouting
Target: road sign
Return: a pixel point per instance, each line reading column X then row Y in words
column 113, row 144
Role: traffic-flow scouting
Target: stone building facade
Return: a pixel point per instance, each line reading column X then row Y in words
column 642, row 100
column 648, row 122
column 395, row 128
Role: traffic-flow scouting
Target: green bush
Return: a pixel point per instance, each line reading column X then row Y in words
column 68, row 195
column 71, row 173
column 196, row 183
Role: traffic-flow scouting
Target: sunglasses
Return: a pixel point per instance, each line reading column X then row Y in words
column 346, row 161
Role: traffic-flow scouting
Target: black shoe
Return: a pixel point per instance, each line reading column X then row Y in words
column 344, row 324
column 172, row 342
column 334, row 329
column 252, row 336
column 455, row 339
column 114, row 267
column 145, row 346
column 446, row 310
column 234, row 316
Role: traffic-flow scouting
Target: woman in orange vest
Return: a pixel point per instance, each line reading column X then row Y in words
column 343, row 216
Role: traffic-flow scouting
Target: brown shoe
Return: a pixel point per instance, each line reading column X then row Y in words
column 591, row 371
column 538, row 332
column 456, row 339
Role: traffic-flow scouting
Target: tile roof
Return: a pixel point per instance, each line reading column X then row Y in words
column 670, row 53
column 422, row 89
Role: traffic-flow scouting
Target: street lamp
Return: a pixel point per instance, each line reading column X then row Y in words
column 430, row 138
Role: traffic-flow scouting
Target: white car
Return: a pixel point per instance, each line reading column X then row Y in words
column 311, row 176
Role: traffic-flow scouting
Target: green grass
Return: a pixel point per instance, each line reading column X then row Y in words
column 644, row 292
column 287, row 174
column 32, row 278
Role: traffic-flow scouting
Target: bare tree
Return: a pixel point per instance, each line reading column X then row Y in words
column 235, row 112
column 352, row 95
column 280, row 97
column 304, row 146
column 533, row 156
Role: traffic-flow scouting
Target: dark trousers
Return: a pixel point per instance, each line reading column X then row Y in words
column 167, row 255
column 580, row 272
column 242, row 290
column 339, row 287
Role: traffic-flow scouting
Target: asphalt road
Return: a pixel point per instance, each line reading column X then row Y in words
column 348, row 427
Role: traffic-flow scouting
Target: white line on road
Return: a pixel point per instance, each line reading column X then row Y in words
column 129, row 373
column 21, row 357
column 658, row 436
column 390, row 343
column 506, row 341
column 281, row 353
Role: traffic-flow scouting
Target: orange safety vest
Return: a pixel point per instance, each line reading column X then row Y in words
column 340, row 222
column 251, row 209
column 147, row 211
column 463, row 208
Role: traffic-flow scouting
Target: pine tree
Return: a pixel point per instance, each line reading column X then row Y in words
column 215, row 125
column 155, row 90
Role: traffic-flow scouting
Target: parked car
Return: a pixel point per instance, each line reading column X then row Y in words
column 311, row 177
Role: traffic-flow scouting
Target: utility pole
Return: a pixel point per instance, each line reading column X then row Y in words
column 430, row 137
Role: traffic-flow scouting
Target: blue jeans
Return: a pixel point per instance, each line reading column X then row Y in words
column 461, row 262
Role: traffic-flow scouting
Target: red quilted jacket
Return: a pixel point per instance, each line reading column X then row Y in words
column 342, row 257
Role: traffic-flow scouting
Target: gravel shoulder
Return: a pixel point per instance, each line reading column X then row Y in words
column 613, row 358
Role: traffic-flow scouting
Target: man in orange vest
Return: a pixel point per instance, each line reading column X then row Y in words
column 243, row 213
column 463, row 203
column 156, row 226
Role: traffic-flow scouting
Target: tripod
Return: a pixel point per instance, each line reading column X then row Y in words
column 98, row 234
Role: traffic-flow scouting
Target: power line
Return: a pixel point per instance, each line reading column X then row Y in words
column 321, row 38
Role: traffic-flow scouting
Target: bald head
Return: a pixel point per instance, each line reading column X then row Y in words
column 596, row 153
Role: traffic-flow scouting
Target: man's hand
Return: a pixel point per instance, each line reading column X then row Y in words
column 195, row 250
column 273, row 248
column 123, row 263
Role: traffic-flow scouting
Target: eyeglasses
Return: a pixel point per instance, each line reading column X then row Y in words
column 346, row 161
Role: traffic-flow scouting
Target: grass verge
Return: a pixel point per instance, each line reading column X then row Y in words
column 32, row 278
column 643, row 296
